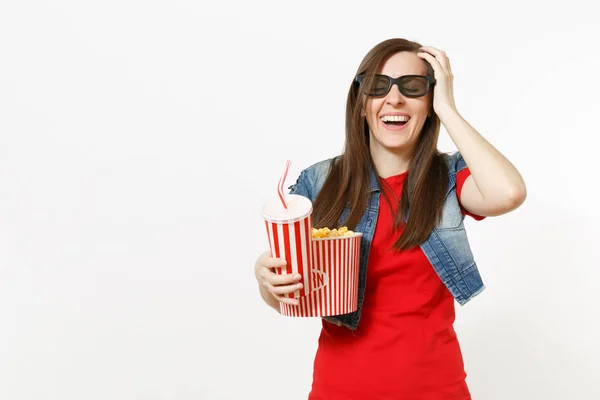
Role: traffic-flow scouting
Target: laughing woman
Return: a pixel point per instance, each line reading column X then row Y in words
column 409, row 200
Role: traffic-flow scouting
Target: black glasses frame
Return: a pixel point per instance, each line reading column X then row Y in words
column 399, row 81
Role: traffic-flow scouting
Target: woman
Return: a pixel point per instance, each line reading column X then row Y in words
column 415, row 256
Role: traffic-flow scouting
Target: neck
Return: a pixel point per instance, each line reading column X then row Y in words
column 390, row 163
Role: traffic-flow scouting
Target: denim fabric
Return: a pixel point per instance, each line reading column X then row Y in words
column 447, row 246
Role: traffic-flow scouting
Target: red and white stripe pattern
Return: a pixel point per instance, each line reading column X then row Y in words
column 291, row 241
column 338, row 260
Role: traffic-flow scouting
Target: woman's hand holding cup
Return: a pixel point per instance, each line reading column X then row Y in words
column 278, row 285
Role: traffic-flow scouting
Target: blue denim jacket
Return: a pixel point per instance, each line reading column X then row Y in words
column 447, row 247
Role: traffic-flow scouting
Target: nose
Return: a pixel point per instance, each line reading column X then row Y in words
column 394, row 96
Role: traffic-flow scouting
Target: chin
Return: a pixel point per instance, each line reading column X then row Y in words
column 395, row 143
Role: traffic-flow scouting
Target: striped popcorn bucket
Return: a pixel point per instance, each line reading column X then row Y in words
column 289, row 233
column 335, row 265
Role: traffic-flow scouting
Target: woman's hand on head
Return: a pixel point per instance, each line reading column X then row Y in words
column 443, row 91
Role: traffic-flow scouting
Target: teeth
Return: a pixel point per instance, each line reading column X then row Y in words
column 394, row 118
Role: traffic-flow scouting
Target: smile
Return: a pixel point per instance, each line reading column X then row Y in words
column 394, row 122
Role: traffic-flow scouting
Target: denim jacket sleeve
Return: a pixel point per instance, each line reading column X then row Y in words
column 456, row 163
column 311, row 180
column 302, row 186
column 460, row 162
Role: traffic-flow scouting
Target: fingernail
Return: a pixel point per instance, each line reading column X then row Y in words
column 297, row 276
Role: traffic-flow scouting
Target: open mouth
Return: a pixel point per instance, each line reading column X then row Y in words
column 395, row 123
column 395, row 120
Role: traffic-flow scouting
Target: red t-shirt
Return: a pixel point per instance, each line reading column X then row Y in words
column 405, row 346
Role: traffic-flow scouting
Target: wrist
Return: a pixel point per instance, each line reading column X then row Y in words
column 447, row 113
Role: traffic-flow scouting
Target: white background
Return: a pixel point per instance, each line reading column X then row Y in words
column 138, row 140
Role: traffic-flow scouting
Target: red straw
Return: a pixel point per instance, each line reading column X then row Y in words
column 282, row 182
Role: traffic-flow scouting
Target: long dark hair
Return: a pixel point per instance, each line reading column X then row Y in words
column 348, row 181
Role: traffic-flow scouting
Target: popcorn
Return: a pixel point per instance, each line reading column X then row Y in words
column 326, row 232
